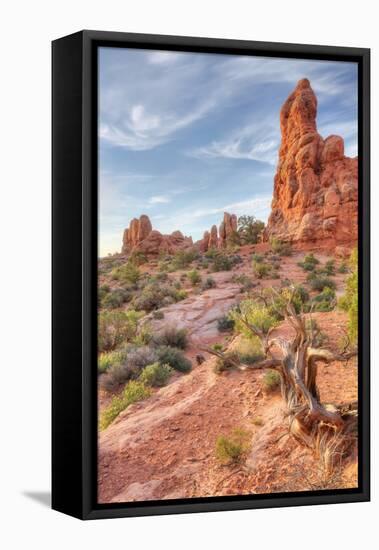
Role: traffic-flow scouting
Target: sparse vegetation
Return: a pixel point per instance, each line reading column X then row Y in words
column 270, row 381
column 173, row 337
column 349, row 302
column 194, row 277
column 233, row 448
column 309, row 263
column 134, row 391
column 280, row 247
column 225, row 324
column 208, row 283
column 174, row 357
column 156, row 375
column 115, row 328
column 127, row 273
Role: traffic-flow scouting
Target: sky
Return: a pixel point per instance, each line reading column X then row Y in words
column 184, row 137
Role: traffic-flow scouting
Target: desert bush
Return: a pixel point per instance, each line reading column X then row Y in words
column 325, row 301
column 261, row 269
column 270, row 381
column 156, row 295
column 127, row 273
column 349, row 301
column 309, row 263
column 107, row 360
column 137, row 258
column 222, row 263
column 225, row 323
column 116, row 327
column 276, row 301
column 173, row 357
column 256, row 314
column 156, row 374
column 158, row 315
column 249, row 229
column 257, row 258
column 208, row 283
column 234, row 447
column 211, row 253
column 329, row 268
column 319, row 282
column 102, row 293
column 132, row 359
column 134, row 391
column 194, row 277
column 183, row 258
column 116, row 298
column 249, row 350
column 343, row 268
column 280, row 247
column 244, row 281
column 173, row 337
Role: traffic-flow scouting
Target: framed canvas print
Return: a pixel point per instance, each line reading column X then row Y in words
column 210, row 274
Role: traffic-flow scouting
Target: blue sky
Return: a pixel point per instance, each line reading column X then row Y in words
column 184, row 137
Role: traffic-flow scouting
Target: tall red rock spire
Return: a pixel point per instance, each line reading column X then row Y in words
column 315, row 186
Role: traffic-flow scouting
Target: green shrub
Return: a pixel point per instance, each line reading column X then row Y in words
column 257, row 258
column 173, row 357
column 208, row 283
column 270, row 381
column 280, row 247
column 256, row 314
column 244, row 281
column 173, row 337
column 249, row 350
column 158, row 315
column 134, row 391
column 116, row 298
column 233, row 448
column 261, row 269
column 349, row 301
column 343, row 268
column 156, row 374
column 107, row 360
column 127, row 273
column 137, row 258
column 131, row 361
column 325, row 301
column 309, row 263
column 329, row 268
column 183, row 258
column 320, row 282
column 222, row 263
column 225, row 323
column 116, row 327
column 194, row 277
column 211, row 253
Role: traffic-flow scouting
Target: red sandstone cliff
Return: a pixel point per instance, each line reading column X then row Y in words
column 316, row 187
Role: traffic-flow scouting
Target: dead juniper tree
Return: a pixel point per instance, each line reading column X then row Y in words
column 328, row 429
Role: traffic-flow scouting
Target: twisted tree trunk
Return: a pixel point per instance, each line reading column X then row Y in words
column 328, row 429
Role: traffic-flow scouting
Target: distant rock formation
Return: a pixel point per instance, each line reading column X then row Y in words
column 316, row 187
column 218, row 238
column 227, row 228
column 140, row 237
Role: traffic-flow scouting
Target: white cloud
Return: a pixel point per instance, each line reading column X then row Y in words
column 163, row 57
column 159, row 199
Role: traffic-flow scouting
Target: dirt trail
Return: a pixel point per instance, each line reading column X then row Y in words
column 163, row 448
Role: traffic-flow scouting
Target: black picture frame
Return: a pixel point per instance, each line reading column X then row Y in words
column 74, row 272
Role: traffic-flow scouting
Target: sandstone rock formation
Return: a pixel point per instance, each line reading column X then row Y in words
column 227, row 228
column 140, row 237
column 219, row 238
column 316, row 187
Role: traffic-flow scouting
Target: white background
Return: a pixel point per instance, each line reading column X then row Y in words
column 26, row 31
